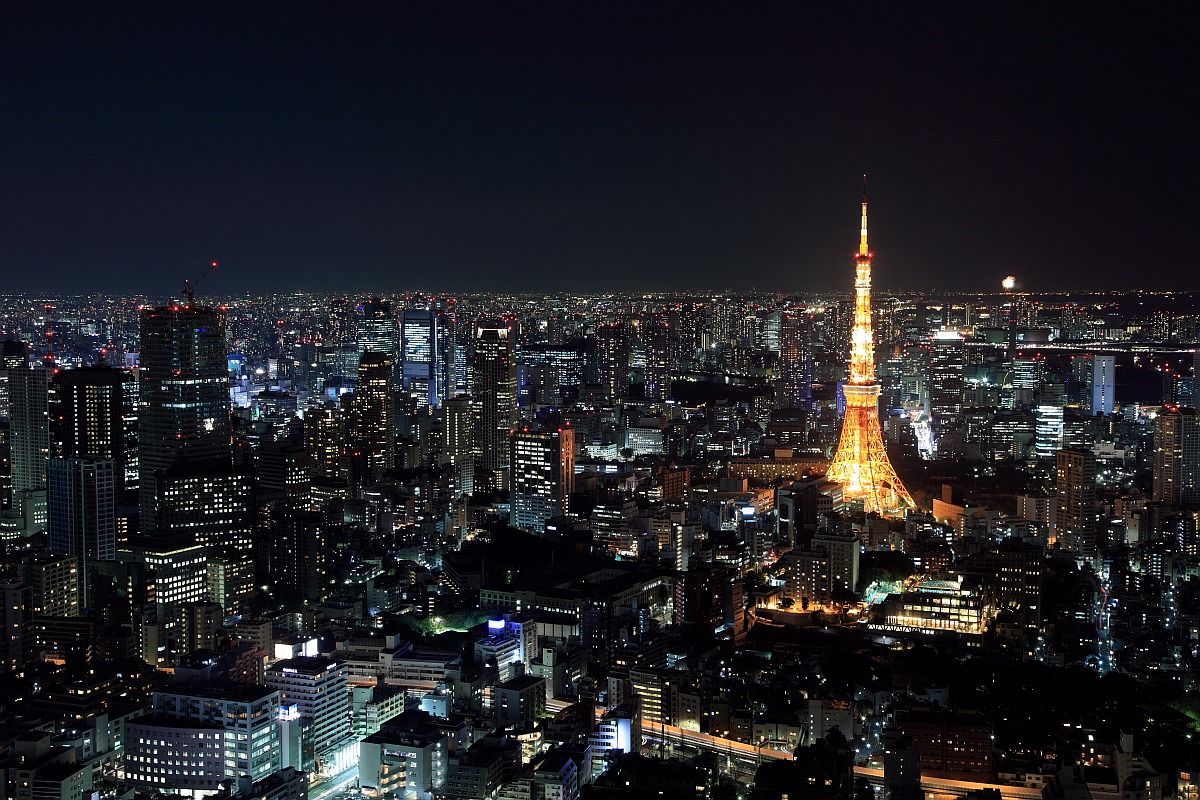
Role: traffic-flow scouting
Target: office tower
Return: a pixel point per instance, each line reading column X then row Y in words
column 371, row 419
column 297, row 552
column 612, row 524
column 426, row 356
column 1024, row 381
column 655, row 336
column 196, row 738
column 213, row 506
column 1103, row 384
column 1177, row 458
column 1076, row 514
column 29, row 432
column 81, row 502
column 376, row 328
column 409, row 757
column 558, row 369
column 947, row 361
column 793, row 389
column 496, row 390
column 612, row 344
column 1048, row 431
column 94, row 414
column 317, row 688
column 460, row 442
column 543, row 477
column 184, row 399
column 861, row 463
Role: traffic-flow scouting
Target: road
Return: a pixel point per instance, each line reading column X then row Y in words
column 327, row 789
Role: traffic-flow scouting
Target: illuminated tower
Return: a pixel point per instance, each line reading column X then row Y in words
column 861, row 464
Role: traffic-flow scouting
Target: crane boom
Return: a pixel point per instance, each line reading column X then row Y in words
column 190, row 284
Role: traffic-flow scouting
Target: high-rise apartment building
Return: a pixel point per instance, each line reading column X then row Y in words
column 1177, row 458
column 793, row 388
column 16, row 617
column 612, row 344
column 1076, row 513
column 655, row 336
column 460, row 441
column 324, row 439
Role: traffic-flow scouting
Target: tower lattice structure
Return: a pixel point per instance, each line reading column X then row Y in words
column 861, row 463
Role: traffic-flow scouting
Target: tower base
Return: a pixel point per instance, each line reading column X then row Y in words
column 861, row 463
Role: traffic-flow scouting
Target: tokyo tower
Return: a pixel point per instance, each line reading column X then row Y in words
column 861, row 464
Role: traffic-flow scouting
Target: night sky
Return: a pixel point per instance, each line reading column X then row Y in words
column 485, row 146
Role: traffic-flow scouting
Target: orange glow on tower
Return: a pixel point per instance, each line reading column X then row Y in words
column 861, row 464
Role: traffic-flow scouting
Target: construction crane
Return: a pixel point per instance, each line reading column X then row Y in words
column 190, row 284
column 48, row 334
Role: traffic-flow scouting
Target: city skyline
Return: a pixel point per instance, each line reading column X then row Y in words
column 488, row 403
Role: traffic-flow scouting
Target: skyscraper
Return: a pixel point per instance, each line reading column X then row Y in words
column 372, row 415
column 425, row 371
column 543, row 476
column 376, row 327
column 1076, row 515
column 612, row 342
column 1177, row 458
column 861, row 463
column 655, row 335
column 1048, row 431
column 1103, row 384
column 324, row 439
column 496, row 388
column 947, row 362
column 82, row 514
column 460, row 441
column 184, row 399
column 793, row 389
column 95, row 415
column 29, row 427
